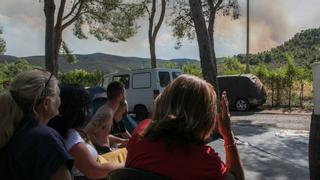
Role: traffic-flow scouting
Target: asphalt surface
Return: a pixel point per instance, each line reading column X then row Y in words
column 271, row 146
column 281, row 121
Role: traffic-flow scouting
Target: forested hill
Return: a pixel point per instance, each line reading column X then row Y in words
column 105, row 62
column 304, row 47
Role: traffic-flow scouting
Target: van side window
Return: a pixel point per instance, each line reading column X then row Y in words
column 124, row 79
column 141, row 80
column 164, row 78
column 175, row 74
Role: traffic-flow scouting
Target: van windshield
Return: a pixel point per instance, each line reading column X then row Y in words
column 164, row 78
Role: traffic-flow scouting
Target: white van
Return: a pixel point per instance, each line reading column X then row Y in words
column 142, row 86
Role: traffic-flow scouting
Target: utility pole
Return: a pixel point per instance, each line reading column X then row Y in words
column 248, row 23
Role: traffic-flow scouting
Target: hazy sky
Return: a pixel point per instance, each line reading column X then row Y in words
column 272, row 23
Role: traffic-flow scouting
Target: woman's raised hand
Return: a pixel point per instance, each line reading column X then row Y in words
column 224, row 123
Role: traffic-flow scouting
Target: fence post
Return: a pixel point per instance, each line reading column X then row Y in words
column 314, row 136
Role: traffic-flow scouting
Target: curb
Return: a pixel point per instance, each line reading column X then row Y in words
column 269, row 112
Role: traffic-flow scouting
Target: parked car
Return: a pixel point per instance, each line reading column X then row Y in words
column 244, row 91
column 142, row 86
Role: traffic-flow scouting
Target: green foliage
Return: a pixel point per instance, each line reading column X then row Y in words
column 170, row 65
column 230, row 66
column 68, row 56
column 112, row 20
column 261, row 70
column 82, row 77
column 192, row 69
column 292, row 69
column 9, row 70
column 182, row 21
column 2, row 43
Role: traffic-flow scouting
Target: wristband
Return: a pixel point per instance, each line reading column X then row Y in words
column 230, row 145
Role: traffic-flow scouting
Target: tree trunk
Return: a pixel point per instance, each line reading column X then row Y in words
column 278, row 93
column 58, row 41
column 209, row 69
column 289, row 94
column 152, row 34
column 153, row 54
column 301, row 94
column 49, row 9
column 272, row 94
column 248, row 36
column 58, row 35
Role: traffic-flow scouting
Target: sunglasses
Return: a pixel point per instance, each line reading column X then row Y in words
column 46, row 85
column 43, row 92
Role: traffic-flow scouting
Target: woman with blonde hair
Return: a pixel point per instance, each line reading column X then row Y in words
column 28, row 148
column 173, row 143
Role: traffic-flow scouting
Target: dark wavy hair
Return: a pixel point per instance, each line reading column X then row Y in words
column 74, row 109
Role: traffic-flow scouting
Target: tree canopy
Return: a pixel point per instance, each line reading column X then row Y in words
column 182, row 22
column 112, row 20
column 106, row 20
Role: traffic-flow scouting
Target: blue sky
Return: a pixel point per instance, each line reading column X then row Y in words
column 272, row 23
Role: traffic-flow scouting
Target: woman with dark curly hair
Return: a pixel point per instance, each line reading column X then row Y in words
column 173, row 143
column 74, row 116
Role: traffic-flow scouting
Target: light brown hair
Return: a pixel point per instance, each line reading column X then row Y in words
column 183, row 113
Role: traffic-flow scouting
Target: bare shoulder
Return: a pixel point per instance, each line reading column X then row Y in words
column 102, row 115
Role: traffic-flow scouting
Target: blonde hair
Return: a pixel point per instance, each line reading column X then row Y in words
column 25, row 93
column 184, row 112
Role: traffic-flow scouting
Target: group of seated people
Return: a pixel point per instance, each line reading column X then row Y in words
column 49, row 132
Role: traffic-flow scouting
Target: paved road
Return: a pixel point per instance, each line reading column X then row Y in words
column 282, row 121
column 271, row 146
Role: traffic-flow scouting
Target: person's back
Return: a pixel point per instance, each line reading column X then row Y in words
column 26, row 154
column 100, row 125
column 173, row 143
column 194, row 162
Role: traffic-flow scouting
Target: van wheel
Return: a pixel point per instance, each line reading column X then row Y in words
column 242, row 105
column 141, row 112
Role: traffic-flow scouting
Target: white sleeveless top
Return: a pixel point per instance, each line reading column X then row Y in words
column 73, row 138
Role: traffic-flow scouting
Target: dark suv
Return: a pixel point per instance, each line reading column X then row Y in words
column 244, row 91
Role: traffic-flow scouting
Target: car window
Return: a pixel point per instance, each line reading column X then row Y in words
column 124, row 79
column 164, row 78
column 175, row 74
column 141, row 80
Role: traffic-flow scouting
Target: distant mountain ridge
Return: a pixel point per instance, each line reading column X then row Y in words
column 303, row 46
column 105, row 62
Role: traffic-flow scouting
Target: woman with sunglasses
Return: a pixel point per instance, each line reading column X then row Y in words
column 28, row 148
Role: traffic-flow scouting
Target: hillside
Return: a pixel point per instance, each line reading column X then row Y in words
column 105, row 62
column 303, row 46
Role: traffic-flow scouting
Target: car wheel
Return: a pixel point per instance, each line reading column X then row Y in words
column 141, row 112
column 242, row 105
